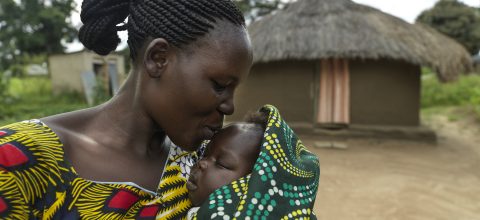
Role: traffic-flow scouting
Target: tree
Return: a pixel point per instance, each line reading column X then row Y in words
column 33, row 27
column 254, row 9
column 456, row 20
column 3, row 88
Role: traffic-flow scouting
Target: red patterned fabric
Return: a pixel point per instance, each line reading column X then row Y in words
column 37, row 183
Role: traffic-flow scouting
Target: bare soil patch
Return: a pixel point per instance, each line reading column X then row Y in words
column 394, row 179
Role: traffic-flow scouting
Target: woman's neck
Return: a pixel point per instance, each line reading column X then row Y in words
column 127, row 122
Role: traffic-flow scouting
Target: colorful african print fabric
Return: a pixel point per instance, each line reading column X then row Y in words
column 36, row 182
column 283, row 183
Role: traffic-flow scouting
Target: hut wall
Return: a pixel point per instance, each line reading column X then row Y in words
column 65, row 71
column 289, row 85
column 384, row 92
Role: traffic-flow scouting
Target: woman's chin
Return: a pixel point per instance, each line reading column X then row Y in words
column 187, row 144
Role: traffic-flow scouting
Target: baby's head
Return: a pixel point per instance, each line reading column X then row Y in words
column 231, row 154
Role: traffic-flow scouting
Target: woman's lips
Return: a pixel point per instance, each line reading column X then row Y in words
column 209, row 131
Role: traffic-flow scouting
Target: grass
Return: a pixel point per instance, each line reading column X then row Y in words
column 464, row 93
column 32, row 97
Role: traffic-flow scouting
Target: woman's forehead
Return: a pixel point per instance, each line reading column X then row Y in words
column 223, row 34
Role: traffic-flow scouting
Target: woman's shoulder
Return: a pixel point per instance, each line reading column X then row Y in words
column 25, row 131
column 30, row 128
column 27, row 142
column 41, row 130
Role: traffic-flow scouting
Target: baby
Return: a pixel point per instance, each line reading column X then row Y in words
column 230, row 155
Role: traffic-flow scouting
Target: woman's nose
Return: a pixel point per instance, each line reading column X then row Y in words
column 227, row 107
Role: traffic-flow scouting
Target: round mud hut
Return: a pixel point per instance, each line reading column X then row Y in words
column 335, row 63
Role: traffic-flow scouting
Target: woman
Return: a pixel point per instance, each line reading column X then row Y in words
column 116, row 160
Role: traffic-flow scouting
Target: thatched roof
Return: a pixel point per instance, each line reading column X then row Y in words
column 316, row 29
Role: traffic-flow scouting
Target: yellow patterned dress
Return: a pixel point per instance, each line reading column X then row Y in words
column 36, row 182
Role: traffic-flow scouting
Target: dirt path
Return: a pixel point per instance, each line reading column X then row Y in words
column 389, row 180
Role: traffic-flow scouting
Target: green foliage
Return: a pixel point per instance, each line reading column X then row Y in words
column 254, row 9
column 101, row 93
column 475, row 100
column 464, row 92
column 4, row 82
column 456, row 20
column 33, row 27
column 19, row 68
column 32, row 98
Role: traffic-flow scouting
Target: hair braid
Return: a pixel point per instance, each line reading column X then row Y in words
column 200, row 10
column 189, row 26
column 181, row 35
column 152, row 24
column 178, row 21
column 99, row 32
column 197, row 23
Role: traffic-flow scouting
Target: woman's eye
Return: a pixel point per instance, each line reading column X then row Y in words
column 218, row 87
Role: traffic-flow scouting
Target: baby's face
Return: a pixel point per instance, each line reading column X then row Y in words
column 230, row 155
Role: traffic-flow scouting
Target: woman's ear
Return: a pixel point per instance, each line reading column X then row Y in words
column 156, row 57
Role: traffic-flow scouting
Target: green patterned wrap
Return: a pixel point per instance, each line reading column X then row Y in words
column 283, row 183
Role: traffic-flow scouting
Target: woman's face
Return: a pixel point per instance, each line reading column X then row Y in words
column 196, row 90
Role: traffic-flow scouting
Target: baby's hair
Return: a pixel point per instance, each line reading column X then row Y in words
column 259, row 118
column 180, row 22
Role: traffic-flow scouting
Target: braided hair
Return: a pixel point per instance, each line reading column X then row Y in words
column 180, row 22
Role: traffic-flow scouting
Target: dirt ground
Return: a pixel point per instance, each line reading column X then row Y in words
column 391, row 179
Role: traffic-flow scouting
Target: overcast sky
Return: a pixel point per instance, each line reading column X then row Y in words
column 408, row 10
